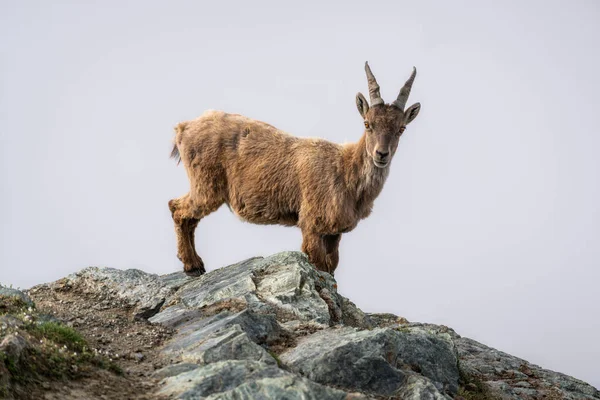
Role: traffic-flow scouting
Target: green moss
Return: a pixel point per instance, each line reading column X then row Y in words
column 115, row 368
column 276, row 357
column 60, row 334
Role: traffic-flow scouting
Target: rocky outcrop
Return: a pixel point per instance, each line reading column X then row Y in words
column 273, row 328
column 515, row 378
column 246, row 380
column 376, row 361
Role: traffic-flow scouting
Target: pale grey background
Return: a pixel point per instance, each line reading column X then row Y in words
column 489, row 222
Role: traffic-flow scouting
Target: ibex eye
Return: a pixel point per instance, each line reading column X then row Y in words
column 367, row 124
column 402, row 129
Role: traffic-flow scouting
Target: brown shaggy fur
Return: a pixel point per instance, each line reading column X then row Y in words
column 267, row 176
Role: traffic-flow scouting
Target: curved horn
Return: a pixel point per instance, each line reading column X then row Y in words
column 400, row 102
column 373, row 87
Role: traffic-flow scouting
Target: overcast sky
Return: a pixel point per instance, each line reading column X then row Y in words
column 489, row 222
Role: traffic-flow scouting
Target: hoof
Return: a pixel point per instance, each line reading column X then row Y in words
column 194, row 273
column 195, row 269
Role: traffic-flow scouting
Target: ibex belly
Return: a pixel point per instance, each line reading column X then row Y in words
column 262, row 212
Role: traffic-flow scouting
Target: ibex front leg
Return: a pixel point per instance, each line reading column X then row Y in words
column 314, row 248
column 332, row 244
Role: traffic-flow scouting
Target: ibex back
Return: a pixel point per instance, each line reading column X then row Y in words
column 267, row 176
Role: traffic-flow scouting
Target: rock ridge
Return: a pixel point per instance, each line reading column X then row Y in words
column 276, row 328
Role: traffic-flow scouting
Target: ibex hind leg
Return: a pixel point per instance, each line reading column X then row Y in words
column 186, row 214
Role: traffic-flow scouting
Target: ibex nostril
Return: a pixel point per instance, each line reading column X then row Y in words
column 382, row 155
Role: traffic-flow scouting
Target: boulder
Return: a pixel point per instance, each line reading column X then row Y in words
column 225, row 336
column 374, row 361
column 245, row 380
column 15, row 293
column 146, row 293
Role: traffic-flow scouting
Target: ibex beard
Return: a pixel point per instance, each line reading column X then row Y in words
column 267, row 176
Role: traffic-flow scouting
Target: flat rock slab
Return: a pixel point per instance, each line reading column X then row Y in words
column 374, row 361
column 233, row 281
column 146, row 293
column 225, row 336
column 246, row 380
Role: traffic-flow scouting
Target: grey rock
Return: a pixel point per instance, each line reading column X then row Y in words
column 432, row 353
column 234, row 281
column 431, row 328
column 347, row 358
column 230, row 322
column 10, row 322
column 353, row 316
column 46, row 318
column 175, row 315
column 224, row 336
column 260, row 328
column 134, row 288
column 288, row 281
column 285, row 284
column 374, row 361
column 174, row 280
column 12, row 292
column 289, row 387
column 246, row 380
column 13, row 345
column 508, row 376
column 216, row 378
column 228, row 344
column 386, row 320
column 174, row 369
column 417, row 387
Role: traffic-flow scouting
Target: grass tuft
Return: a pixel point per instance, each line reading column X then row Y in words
column 60, row 334
column 11, row 305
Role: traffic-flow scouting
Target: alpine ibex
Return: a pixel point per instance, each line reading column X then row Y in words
column 267, row 176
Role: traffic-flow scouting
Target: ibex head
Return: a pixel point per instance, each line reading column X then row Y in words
column 384, row 123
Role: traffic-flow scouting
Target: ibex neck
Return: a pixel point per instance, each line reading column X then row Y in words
column 364, row 179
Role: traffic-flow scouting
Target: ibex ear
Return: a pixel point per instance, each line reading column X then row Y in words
column 361, row 104
column 411, row 113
